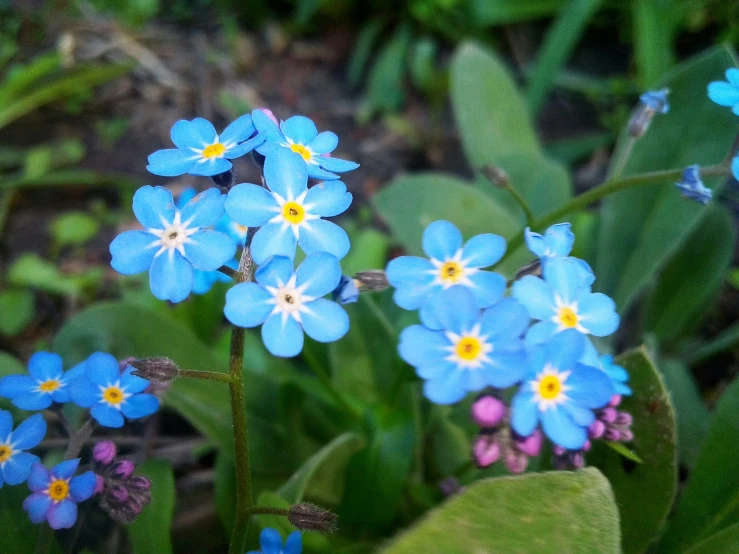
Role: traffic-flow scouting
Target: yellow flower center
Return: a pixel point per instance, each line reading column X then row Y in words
column 451, row 272
column 567, row 317
column 293, row 212
column 550, row 387
column 113, row 395
column 49, row 386
column 214, row 150
column 302, row 150
column 241, row 228
column 58, row 490
column 469, row 348
column 5, row 453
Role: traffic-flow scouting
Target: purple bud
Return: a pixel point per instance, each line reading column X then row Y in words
column 627, row 435
column 124, row 469
column 624, row 418
column 612, row 434
column 578, row 460
column 486, row 450
column 587, row 446
column 450, row 486
column 269, row 114
column 596, row 429
column 139, row 483
column 488, row 411
column 558, row 450
column 118, row 493
column 531, row 445
column 615, row 400
column 99, row 484
column 516, row 462
column 104, row 452
column 608, row 414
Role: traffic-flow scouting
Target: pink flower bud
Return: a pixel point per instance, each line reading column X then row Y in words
column 608, row 414
column 269, row 114
column 627, row 435
column 516, row 462
column 118, row 493
column 578, row 460
column 558, row 450
column 99, row 484
column 612, row 434
column 596, row 429
column 104, row 452
column 486, row 450
column 615, row 400
column 139, row 483
column 124, row 469
column 587, row 446
column 531, row 445
column 624, row 418
column 488, row 411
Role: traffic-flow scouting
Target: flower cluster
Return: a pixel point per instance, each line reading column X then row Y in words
column 120, row 493
column 472, row 338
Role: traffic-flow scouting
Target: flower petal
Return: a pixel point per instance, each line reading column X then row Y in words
column 456, row 309
column 441, row 240
column 45, row 365
column 562, row 275
column 319, row 235
column 282, row 337
column 197, row 133
column 447, row 389
column 300, row 129
column 562, row 430
column 487, row 287
column 275, row 273
column 265, row 125
column 559, row 240
column 589, row 387
column 505, row 319
column 13, row 386
column 205, row 209
column 724, row 94
column 211, row 167
column 62, row 515
column 208, row 250
column 170, row 277
column 274, row 239
column 337, row 165
column 154, row 207
column 420, row 346
column 286, row 174
column 535, row 295
column 107, row 416
column 579, row 414
column 270, row 540
column 319, row 273
column 597, row 314
column 565, row 349
column 534, row 242
column 540, row 332
column 483, row 250
column 29, row 433
column 246, row 305
column 103, row 369
column 328, row 199
column 315, row 172
column 133, row 384
column 409, row 271
column 84, row 393
column 325, row 321
column 421, row 296
column 172, row 162
column 18, row 467
column 324, row 143
column 251, row 205
column 506, row 368
column 37, row 506
column 524, row 413
column 6, row 425
column 133, row 252
column 82, row 487
column 239, row 130
column 293, row 543
column 39, row 478
column 65, row 469
column 140, row 405
column 244, row 147
column 32, row 401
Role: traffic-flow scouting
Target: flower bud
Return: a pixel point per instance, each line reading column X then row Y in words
column 118, row 493
column 346, row 292
column 495, row 175
column 531, row 445
column 486, row 450
column 373, row 280
column 612, row 434
column 123, row 469
column 558, row 450
column 156, row 370
column 577, row 459
column 627, row 435
column 596, row 429
column 516, row 462
column 450, row 486
column 624, row 418
column 104, row 452
column 99, row 484
column 308, row 517
column 615, row 400
column 608, row 414
column 139, row 483
column 488, row 411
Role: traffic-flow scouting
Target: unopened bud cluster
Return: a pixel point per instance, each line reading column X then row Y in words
column 156, row 370
column 308, row 517
column 120, row 493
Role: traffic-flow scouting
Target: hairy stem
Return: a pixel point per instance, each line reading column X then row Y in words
column 209, row 375
column 234, row 274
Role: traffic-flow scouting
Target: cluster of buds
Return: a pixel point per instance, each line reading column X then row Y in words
column 497, row 441
column 309, row 517
column 120, row 493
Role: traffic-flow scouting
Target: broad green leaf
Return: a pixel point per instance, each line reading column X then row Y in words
column 17, row 310
column 538, row 512
column 151, row 530
column 369, row 251
column 385, row 85
column 710, row 502
column 32, row 271
column 21, row 77
column 644, row 492
column 641, row 228
column 692, row 278
column 74, row 229
column 19, row 534
column 449, row 444
column 725, row 541
column 653, row 38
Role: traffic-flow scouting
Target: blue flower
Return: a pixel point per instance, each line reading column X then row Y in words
column 619, row 376
column 201, row 151
column 288, row 212
column 15, row 463
column 726, row 94
column 236, row 231
column 560, row 392
column 735, row 167
column 418, row 281
column 299, row 135
column 656, row 100
column 174, row 241
column 203, row 281
column 270, row 542
column 46, row 383
column 110, row 394
column 692, row 187
column 557, row 243
column 560, row 302
column 346, row 292
column 286, row 303
column 56, row 493
column 472, row 350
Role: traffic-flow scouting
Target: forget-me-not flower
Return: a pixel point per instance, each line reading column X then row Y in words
column 346, row 291
column 691, row 186
column 56, row 493
column 174, row 241
column 286, row 302
column 656, row 100
column 726, row 93
column 560, row 392
column 289, row 213
column 560, row 301
column 110, row 394
column 201, row 151
column 270, row 542
column 557, row 242
column 46, row 383
column 203, row 281
column 735, row 167
column 299, row 135
column 15, row 462
column 450, row 262
column 471, row 351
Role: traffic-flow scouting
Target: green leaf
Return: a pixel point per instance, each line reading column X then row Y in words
column 74, row 228
column 655, row 443
column 385, row 85
column 365, row 42
column 710, row 502
column 151, row 530
column 725, row 541
column 369, row 251
column 693, row 277
column 499, row 12
column 641, row 228
column 22, row 77
column 29, row 270
column 537, row 512
column 17, row 310
column 653, row 38
column 624, row 451
column 19, row 534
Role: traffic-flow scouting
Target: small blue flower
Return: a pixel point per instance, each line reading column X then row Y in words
column 560, row 392
column 299, row 135
column 560, row 302
column 236, row 231
column 346, row 292
column 46, row 383
column 201, row 151
column 619, row 376
column 203, row 281
column 110, row 394
column 56, row 493
column 287, row 302
column 418, row 281
column 471, row 351
column 726, row 93
column 289, row 213
column 15, row 463
column 735, row 167
column 692, row 187
column 656, row 100
column 557, row 243
column 174, row 241
column 270, row 542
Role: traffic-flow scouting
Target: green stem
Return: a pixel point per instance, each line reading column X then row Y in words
column 210, row 375
column 255, row 510
column 382, row 319
column 500, row 180
column 623, row 157
column 725, row 341
column 521, row 202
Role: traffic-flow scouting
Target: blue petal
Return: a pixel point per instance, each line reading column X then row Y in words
column 80, row 370
column 271, row 541
column 65, row 469
column 315, row 172
column 735, row 167
column 562, row 275
column 39, row 478
column 211, row 167
column 456, row 309
column 505, row 319
column 82, row 487
column 37, row 506
column 208, row 250
column 427, row 313
column 84, row 393
column 61, row 395
column 107, row 415
column 420, row 346
column 565, row 349
column 266, row 126
column 29, row 433
column 524, row 412
column 411, row 297
column 441, row 240
column 732, row 75
column 447, row 389
column 244, row 147
column 274, row 239
column 325, row 321
column 506, row 368
column 246, row 305
column 172, row 162
column 560, row 428
column 579, row 414
column 488, row 287
column 33, row 401
column 276, row 273
column 622, row 389
column 140, row 405
column 153, row 207
column 614, row 371
column 320, row 273
column 18, row 467
column 197, row 133
column 597, row 314
column 238, row 131
column 45, row 365
column 205, row 209
column 286, row 174
column 535, row 295
column 337, row 165
column 534, row 242
column 437, row 370
column 585, row 272
column 483, row 250
column 409, row 271
column 170, row 277
column 724, row 94
column 589, row 386
column 62, row 515
column 293, row 543
column 203, row 281
column 185, row 196
column 323, row 236
column 324, row 143
column 13, row 386
column 300, row 129
column 282, row 338
column 6, row 425
column 103, row 369
column 327, row 199
column 559, row 240
column 251, row 205
column 540, row 333
column 133, row 384
column 132, row 252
